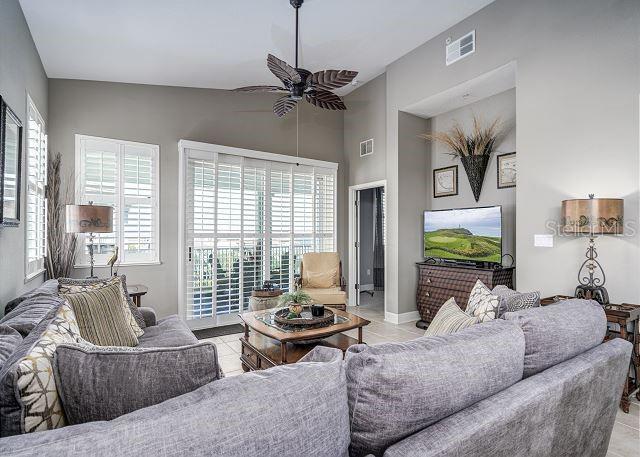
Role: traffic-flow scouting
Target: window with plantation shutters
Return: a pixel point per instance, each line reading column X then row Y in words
column 125, row 175
column 36, row 204
column 247, row 217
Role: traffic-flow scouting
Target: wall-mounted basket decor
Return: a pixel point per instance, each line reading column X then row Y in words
column 474, row 150
column 475, row 166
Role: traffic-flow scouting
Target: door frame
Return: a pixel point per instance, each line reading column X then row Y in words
column 353, row 227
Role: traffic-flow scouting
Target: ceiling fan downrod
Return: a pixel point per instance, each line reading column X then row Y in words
column 296, row 4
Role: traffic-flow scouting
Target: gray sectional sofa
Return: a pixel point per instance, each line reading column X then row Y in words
column 526, row 385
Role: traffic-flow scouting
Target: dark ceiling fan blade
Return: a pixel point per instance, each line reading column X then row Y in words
column 283, row 105
column 260, row 89
column 325, row 99
column 285, row 72
column 331, row 79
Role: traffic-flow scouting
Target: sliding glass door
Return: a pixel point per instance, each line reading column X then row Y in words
column 246, row 220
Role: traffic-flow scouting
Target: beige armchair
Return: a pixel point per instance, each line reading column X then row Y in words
column 321, row 278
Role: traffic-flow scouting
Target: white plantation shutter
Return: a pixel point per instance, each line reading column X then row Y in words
column 36, row 220
column 247, row 220
column 124, row 175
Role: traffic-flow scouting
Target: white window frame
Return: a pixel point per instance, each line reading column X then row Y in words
column 193, row 149
column 82, row 259
column 35, row 267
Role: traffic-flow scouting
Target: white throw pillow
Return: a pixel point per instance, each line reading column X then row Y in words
column 482, row 303
column 449, row 319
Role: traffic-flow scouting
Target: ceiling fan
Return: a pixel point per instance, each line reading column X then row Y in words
column 300, row 83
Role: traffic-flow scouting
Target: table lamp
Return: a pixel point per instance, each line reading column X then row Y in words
column 89, row 219
column 592, row 216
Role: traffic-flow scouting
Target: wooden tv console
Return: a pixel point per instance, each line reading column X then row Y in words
column 438, row 283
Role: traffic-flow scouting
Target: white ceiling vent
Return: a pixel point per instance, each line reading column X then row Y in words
column 461, row 48
column 366, row 147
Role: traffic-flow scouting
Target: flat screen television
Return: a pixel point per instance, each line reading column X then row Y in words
column 464, row 235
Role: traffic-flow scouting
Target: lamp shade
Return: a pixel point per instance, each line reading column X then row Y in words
column 89, row 218
column 593, row 216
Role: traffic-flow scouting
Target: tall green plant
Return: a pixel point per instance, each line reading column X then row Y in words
column 61, row 246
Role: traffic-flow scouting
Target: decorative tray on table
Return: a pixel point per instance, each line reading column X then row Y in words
column 299, row 324
column 306, row 319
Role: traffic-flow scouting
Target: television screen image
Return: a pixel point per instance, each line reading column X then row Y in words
column 472, row 234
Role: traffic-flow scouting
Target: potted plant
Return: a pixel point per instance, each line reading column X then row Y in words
column 474, row 149
column 295, row 301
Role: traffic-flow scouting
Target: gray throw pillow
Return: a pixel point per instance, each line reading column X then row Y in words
column 511, row 300
column 102, row 383
column 9, row 340
column 101, row 317
column 72, row 286
column 397, row 389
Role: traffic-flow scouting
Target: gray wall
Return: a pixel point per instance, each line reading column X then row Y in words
column 366, row 237
column 21, row 73
column 412, row 178
column 577, row 88
column 163, row 115
column 502, row 106
column 366, row 118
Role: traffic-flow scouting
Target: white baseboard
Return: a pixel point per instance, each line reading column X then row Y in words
column 366, row 287
column 401, row 318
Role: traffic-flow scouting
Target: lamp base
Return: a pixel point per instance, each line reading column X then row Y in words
column 597, row 293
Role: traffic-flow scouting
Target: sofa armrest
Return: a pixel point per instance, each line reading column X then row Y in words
column 149, row 316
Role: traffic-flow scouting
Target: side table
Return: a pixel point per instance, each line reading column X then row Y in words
column 627, row 317
column 136, row 291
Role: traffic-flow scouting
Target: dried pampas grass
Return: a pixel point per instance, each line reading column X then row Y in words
column 479, row 142
column 61, row 246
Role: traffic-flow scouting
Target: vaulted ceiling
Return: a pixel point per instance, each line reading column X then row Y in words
column 224, row 44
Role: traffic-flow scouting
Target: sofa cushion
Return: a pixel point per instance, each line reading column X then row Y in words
column 74, row 286
column 482, row 303
column 559, row 332
column 236, row 416
column 29, row 312
column 168, row 332
column 102, row 383
column 450, row 319
column 396, row 389
column 29, row 399
column 9, row 340
column 101, row 316
column 49, row 287
column 512, row 301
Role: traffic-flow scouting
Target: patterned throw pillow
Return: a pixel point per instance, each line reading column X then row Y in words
column 482, row 303
column 449, row 319
column 35, row 383
column 134, row 316
column 101, row 318
column 511, row 301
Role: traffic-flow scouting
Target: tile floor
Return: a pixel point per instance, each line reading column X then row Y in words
column 625, row 439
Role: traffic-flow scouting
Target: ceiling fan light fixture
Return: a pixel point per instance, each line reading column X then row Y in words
column 300, row 83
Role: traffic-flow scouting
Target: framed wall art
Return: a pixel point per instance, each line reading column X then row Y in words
column 445, row 181
column 10, row 165
column 506, row 170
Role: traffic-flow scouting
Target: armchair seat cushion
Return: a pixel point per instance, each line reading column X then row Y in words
column 328, row 296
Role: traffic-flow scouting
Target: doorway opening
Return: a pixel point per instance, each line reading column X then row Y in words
column 368, row 245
